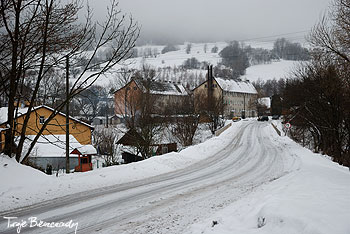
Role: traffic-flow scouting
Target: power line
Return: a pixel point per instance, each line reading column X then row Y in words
column 273, row 36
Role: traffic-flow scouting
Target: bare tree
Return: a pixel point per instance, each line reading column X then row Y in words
column 122, row 77
column 215, row 49
column 184, row 121
column 138, row 107
column 321, row 110
column 104, row 141
column 146, row 72
column 331, row 37
column 332, row 33
column 146, row 123
column 40, row 35
column 88, row 102
column 211, row 110
column 188, row 48
column 51, row 90
column 235, row 57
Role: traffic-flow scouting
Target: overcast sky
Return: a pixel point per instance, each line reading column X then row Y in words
column 218, row 20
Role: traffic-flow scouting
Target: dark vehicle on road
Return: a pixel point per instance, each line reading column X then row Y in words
column 263, row 118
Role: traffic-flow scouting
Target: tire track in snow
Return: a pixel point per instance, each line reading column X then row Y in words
column 249, row 161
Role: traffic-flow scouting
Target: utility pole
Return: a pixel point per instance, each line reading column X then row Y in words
column 243, row 114
column 106, row 112
column 210, row 88
column 67, row 115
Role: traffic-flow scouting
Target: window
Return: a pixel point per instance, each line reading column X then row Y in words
column 205, row 86
column 128, row 88
column 42, row 119
column 164, row 149
column 84, row 160
column 135, row 88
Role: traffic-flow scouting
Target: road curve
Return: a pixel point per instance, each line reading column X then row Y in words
column 171, row 202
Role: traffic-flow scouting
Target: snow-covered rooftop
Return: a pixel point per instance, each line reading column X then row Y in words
column 3, row 114
column 236, row 86
column 4, row 111
column 266, row 101
column 55, row 146
column 22, row 111
column 163, row 88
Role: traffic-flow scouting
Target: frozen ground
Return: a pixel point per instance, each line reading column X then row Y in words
column 246, row 174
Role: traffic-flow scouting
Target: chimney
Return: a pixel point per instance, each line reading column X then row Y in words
column 210, row 77
column 210, row 87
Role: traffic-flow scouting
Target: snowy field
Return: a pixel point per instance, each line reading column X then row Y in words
column 274, row 70
column 247, row 180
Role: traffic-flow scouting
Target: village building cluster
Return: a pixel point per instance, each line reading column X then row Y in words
column 236, row 98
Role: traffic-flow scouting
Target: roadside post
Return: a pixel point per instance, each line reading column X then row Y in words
column 287, row 126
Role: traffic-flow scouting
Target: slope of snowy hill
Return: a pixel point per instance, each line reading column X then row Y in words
column 150, row 55
column 275, row 70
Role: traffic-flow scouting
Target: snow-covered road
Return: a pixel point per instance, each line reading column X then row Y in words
column 170, row 203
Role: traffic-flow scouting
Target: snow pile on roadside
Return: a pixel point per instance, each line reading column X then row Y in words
column 26, row 185
column 13, row 173
column 280, row 127
column 314, row 199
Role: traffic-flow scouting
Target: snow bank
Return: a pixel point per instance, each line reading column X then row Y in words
column 314, row 199
column 15, row 180
column 26, row 185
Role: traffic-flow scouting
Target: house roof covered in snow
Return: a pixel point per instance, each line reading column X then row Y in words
column 266, row 101
column 236, row 86
column 132, row 137
column 162, row 88
column 23, row 111
column 4, row 111
column 55, row 146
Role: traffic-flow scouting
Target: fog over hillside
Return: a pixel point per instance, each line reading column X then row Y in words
column 164, row 21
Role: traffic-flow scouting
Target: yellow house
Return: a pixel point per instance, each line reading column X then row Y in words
column 57, row 126
column 50, row 148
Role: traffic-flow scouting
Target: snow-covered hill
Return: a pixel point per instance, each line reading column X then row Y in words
column 275, row 70
column 150, row 55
